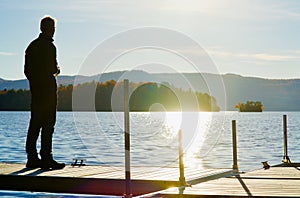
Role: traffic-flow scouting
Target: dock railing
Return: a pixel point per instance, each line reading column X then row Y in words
column 128, row 193
column 286, row 158
column 234, row 146
column 182, row 181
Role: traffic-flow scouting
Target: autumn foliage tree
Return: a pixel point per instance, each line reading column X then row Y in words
column 250, row 106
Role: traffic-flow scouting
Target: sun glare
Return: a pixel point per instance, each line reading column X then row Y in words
column 193, row 138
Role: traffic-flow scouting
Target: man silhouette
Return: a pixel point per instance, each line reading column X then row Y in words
column 41, row 69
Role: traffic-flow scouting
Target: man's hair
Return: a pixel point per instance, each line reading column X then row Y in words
column 47, row 22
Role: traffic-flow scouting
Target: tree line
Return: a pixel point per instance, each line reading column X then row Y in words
column 108, row 96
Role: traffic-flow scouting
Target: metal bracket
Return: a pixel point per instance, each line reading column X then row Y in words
column 265, row 165
column 78, row 162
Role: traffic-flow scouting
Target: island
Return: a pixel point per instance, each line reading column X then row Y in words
column 250, row 106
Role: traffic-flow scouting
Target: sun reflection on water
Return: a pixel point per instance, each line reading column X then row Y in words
column 195, row 133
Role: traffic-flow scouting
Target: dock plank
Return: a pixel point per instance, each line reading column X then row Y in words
column 273, row 182
column 105, row 180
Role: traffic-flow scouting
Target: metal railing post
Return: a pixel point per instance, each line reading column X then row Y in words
column 234, row 145
column 127, row 140
column 286, row 158
column 182, row 182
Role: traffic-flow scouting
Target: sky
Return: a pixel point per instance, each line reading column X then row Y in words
column 258, row 38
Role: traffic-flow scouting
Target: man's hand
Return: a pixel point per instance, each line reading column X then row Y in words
column 57, row 72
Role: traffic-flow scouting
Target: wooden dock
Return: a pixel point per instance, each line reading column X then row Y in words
column 277, row 181
column 101, row 180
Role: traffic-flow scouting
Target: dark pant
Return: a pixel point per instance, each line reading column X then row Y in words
column 43, row 117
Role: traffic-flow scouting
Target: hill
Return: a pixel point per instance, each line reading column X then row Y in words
column 276, row 95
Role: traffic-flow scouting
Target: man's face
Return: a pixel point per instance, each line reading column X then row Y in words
column 49, row 29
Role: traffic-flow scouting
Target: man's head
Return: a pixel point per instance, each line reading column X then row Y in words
column 47, row 26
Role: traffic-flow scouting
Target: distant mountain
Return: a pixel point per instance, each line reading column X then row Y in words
column 13, row 84
column 275, row 95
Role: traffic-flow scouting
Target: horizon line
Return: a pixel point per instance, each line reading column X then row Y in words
column 229, row 73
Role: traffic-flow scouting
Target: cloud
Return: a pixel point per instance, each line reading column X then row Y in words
column 260, row 56
column 273, row 57
column 7, row 54
column 236, row 9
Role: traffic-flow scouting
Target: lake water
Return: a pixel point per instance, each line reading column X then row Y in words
column 99, row 137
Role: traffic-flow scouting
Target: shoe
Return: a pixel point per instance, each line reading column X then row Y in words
column 52, row 164
column 34, row 162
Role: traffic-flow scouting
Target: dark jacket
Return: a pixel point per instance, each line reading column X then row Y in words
column 40, row 67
